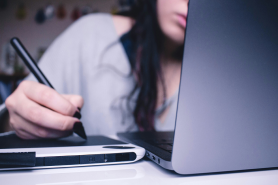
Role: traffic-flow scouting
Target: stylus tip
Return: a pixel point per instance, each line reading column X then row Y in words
column 79, row 130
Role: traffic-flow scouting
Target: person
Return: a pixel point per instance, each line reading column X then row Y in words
column 123, row 72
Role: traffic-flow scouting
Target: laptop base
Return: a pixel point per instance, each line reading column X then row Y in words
column 158, row 145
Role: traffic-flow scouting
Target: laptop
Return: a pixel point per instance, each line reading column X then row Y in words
column 227, row 112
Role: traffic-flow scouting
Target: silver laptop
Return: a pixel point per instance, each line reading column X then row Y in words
column 227, row 115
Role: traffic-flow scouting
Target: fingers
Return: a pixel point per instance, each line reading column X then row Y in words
column 24, row 135
column 31, row 120
column 27, row 130
column 75, row 100
column 39, row 115
column 47, row 97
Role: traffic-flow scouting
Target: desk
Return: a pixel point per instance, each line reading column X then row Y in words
column 143, row 172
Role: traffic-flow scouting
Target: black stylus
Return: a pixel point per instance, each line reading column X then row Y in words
column 33, row 67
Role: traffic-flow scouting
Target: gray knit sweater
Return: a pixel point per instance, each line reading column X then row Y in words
column 89, row 60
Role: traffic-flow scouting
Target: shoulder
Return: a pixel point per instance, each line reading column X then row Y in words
column 102, row 23
column 122, row 24
column 93, row 22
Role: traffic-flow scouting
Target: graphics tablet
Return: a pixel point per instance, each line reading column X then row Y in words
column 66, row 152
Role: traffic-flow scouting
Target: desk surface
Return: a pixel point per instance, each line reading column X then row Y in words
column 141, row 172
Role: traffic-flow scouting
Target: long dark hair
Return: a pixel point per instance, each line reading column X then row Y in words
column 144, row 57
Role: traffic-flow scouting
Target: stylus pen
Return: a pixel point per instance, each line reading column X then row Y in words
column 33, row 67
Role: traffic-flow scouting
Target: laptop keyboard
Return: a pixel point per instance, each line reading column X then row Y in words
column 165, row 144
column 158, row 143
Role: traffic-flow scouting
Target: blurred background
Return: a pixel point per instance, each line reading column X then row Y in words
column 37, row 23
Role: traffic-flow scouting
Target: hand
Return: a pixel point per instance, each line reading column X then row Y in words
column 37, row 111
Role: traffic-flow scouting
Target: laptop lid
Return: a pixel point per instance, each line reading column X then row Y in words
column 227, row 117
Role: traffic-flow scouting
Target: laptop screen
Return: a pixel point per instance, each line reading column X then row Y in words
column 228, row 100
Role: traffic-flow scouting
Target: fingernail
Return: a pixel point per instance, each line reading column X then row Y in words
column 79, row 130
column 79, row 109
column 77, row 115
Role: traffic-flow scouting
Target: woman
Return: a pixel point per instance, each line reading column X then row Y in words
column 125, row 69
